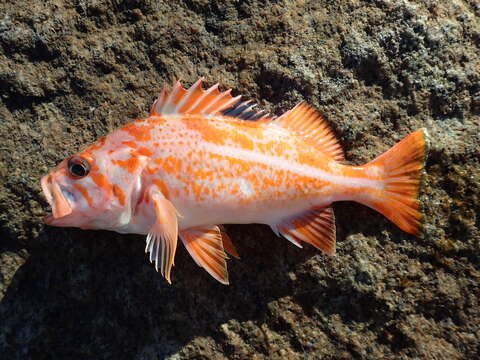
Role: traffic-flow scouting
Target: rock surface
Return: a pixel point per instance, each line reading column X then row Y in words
column 71, row 71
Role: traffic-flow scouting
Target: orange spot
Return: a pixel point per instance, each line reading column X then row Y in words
column 151, row 170
column 87, row 156
column 236, row 166
column 217, row 132
column 234, row 190
column 156, row 120
column 170, row 164
column 130, row 165
column 161, row 186
column 82, row 190
column 197, row 189
column 131, row 144
column 308, row 157
column 98, row 145
column 119, row 194
column 206, row 191
column 139, row 132
column 144, row 151
column 200, row 173
column 278, row 148
column 101, row 181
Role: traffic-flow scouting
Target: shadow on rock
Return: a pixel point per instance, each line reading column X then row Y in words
column 82, row 293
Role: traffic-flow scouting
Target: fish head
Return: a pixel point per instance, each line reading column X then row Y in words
column 88, row 191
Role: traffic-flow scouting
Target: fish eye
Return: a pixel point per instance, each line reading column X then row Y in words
column 78, row 167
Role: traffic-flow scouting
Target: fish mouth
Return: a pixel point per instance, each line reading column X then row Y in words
column 55, row 197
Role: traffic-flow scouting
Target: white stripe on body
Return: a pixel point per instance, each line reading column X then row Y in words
column 294, row 167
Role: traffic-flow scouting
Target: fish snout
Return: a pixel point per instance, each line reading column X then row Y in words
column 56, row 198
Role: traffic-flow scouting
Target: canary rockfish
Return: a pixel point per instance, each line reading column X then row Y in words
column 204, row 158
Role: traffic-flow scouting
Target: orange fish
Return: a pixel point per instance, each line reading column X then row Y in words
column 200, row 160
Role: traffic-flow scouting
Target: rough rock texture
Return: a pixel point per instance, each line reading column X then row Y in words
column 71, row 71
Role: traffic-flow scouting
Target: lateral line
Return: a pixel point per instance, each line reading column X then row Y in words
column 300, row 169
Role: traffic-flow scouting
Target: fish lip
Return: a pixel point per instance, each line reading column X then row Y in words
column 48, row 195
column 45, row 188
column 57, row 200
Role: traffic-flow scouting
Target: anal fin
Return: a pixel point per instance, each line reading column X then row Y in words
column 315, row 226
column 205, row 245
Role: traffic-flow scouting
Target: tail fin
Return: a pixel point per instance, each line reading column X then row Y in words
column 401, row 168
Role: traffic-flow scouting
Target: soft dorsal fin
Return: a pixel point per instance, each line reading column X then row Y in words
column 196, row 100
column 309, row 124
column 315, row 226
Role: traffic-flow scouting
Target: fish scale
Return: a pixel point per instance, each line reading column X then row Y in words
column 204, row 158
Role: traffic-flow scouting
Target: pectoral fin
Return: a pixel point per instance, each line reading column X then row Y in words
column 205, row 245
column 162, row 238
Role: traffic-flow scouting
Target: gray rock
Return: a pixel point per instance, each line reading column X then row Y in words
column 73, row 71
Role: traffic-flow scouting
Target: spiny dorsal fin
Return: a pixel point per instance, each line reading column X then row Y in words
column 195, row 100
column 244, row 110
column 205, row 245
column 309, row 124
column 315, row 226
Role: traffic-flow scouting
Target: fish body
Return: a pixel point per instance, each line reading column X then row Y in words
column 204, row 158
column 261, row 174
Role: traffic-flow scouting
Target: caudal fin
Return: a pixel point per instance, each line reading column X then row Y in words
column 400, row 168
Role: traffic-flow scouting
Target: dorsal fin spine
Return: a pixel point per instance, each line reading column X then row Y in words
column 158, row 101
column 189, row 93
column 171, row 96
column 214, row 100
column 202, row 97
column 233, row 101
